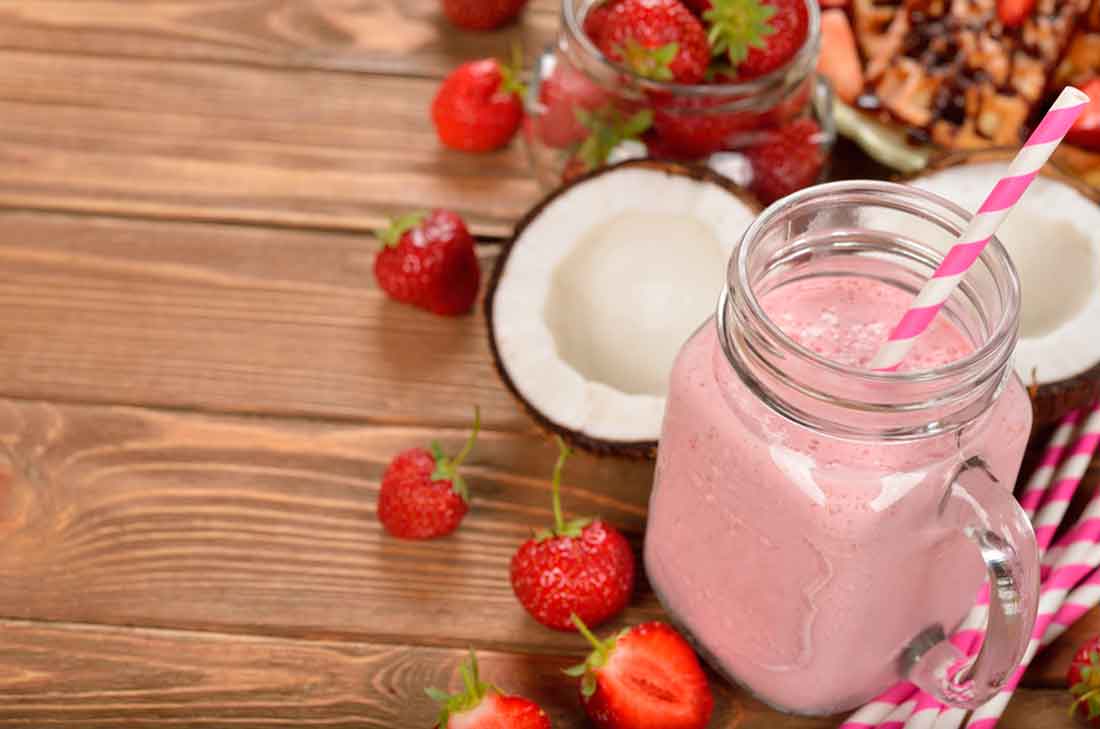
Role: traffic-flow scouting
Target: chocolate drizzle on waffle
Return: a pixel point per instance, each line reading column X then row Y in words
column 951, row 72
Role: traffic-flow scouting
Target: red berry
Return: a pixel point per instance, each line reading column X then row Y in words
column 658, row 39
column 581, row 566
column 562, row 94
column 481, row 706
column 788, row 160
column 1086, row 130
column 422, row 494
column 595, row 19
column 478, row 107
column 482, row 14
column 642, row 678
column 1014, row 12
column 757, row 36
column 1083, row 679
column 429, row 261
column 691, row 129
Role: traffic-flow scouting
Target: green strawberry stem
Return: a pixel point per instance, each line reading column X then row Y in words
column 511, row 73
column 399, row 226
column 555, row 485
column 474, row 690
column 652, row 63
column 601, row 651
column 561, row 528
column 607, row 128
column 738, row 25
column 1087, row 690
column 446, row 469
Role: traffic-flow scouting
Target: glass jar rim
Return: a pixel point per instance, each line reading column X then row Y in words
column 800, row 64
column 993, row 352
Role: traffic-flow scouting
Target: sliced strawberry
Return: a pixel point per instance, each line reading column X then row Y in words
column 481, row 705
column 646, row 677
column 1086, row 130
column 1014, row 12
column 839, row 59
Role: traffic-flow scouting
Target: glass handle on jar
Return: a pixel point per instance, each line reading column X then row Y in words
column 993, row 520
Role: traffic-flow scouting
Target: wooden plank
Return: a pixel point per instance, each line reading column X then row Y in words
column 131, row 516
column 404, row 37
column 94, row 677
column 235, row 143
column 230, row 318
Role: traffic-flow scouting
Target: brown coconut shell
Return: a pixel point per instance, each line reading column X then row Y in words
column 1052, row 401
column 637, row 450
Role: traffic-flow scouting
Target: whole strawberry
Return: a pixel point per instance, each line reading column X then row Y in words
column 428, row 260
column 563, row 96
column 643, row 678
column 757, row 36
column 699, row 127
column 482, row 14
column 1083, row 679
column 481, row 705
column 788, row 160
column 422, row 494
column 596, row 17
column 582, row 566
column 478, row 108
column 657, row 39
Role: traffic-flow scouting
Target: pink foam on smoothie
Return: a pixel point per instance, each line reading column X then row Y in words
column 847, row 319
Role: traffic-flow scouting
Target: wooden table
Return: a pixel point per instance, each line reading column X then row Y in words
column 202, row 385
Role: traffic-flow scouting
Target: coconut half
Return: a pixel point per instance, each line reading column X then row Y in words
column 599, row 287
column 1053, row 237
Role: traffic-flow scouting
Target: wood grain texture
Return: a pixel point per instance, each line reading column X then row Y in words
column 402, row 37
column 104, row 678
column 233, row 143
column 137, row 517
column 230, row 318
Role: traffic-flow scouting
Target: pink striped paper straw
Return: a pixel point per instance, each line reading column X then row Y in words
column 1069, row 476
column 1005, row 194
column 1037, row 485
column 904, row 702
column 1084, row 597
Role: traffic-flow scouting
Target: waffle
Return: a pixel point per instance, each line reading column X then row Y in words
column 954, row 75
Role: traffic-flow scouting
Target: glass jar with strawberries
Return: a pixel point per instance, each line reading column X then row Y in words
column 685, row 80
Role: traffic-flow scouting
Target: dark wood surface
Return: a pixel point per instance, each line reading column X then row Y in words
column 200, row 384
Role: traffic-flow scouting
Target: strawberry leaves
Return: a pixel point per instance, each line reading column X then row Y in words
column 399, row 226
column 737, row 26
column 651, row 63
column 446, row 468
column 607, row 128
column 511, row 73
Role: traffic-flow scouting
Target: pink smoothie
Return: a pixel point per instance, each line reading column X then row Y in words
column 803, row 563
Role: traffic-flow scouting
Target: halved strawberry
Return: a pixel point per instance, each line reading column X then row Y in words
column 645, row 677
column 839, row 59
column 481, row 705
column 1086, row 130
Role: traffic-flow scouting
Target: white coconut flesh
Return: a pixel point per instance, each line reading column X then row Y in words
column 1053, row 237
column 601, row 289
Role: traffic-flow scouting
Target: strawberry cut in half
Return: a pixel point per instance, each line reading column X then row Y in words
column 481, row 705
column 583, row 566
column 645, row 677
column 422, row 495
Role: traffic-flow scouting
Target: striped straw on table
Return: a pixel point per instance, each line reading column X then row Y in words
column 999, row 203
column 1048, row 492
